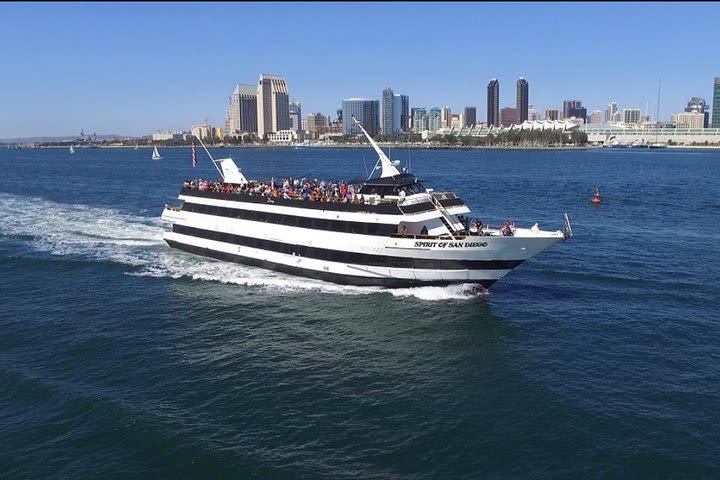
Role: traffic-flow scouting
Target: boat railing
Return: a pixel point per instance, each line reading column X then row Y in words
column 174, row 208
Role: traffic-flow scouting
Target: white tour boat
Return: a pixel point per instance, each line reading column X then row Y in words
column 389, row 230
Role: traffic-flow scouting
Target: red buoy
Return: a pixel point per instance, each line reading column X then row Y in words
column 596, row 200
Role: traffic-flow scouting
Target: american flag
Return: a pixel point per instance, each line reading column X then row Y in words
column 194, row 156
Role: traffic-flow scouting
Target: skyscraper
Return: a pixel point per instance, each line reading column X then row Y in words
column 470, row 116
column 716, row 104
column 273, row 105
column 401, row 120
column 365, row 111
column 697, row 104
column 493, row 103
column 568, row 104
column 387, row 116
column 445, row 117
column 522, row 99
column 242, row 112
column 296, row 117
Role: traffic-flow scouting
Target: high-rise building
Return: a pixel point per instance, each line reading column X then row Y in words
column 595, row 116
column 552, row 114
column 688, row 120
column 387, row 117
column 493, row 103
column 521, row 99
column 716, row 104
column 568, row 104
column 401, row 121
column 446, row 117
column 435, row 119
column 470, row 116
column 419, row 119
column 698, row 105
column 316, row 123
column 611, row 113
column 242, row 112
column 295, row 117
column 273, row 105
column 578, row 112
column 365, row 111
column 509, row 116
column 533, row 114
column 631, row 115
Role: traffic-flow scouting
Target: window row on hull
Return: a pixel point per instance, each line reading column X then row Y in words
column 344, row 226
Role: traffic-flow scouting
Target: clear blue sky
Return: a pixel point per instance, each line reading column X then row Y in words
column 134, row 68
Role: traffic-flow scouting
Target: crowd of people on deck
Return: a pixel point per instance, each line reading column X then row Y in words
column 289, row 189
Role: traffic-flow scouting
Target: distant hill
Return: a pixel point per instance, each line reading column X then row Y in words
column 98, row 138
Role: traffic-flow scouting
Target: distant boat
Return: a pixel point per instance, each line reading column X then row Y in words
column 136, row 146
column 156, row 154
column 72, row 150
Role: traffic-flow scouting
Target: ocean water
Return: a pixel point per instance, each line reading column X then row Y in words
column 122, row 358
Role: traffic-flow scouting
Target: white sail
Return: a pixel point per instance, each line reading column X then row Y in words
column 72, row 150
column 156, row 154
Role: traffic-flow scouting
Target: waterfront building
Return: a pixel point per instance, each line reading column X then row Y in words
column 521, row 99
column 456, row 120
column 365, row 111
column 697, row 104
column 241, row 115
column 568, row 104
column 434, row 119
column 387, row 117
column 595, row 116
column 631, row 116
column 612, row 115
column 607, row 133
column 283, row 137
column 493, row 103
column 202, row 131
column 419, row 120
column 688, row 120
column 552, row 114
column 578, row 112
column 315, row 124
column 401, row 109
column 470, row 116
column 273, row 105
column 296, row 117
column 509, row 117
column 716, row 104
column 446, row 117
column 533, row 114
column 168, row 136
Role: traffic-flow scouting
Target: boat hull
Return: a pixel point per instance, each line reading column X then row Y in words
column 342, row 279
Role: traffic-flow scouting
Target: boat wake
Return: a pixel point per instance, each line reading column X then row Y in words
column 106, row 235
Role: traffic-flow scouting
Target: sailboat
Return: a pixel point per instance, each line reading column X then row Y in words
column 72, row 150
column 136, row 146
column 156, row 154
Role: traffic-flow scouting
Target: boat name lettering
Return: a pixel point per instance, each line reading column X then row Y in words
column 450, row 244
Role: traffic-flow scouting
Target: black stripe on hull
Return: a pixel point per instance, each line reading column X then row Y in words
column 325, row 276
column 331, row 225
column 340, row 256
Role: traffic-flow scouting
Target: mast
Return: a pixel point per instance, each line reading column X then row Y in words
column 388, row 169
column 657, row 114
column 211, row 157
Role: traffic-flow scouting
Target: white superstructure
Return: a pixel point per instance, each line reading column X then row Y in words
column 388, row 230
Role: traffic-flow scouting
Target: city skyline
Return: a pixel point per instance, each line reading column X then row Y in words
column 132, row 69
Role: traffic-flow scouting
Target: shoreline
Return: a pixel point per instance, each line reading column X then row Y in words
column 385, row 145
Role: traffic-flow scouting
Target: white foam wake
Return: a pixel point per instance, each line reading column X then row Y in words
column 108, row 235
